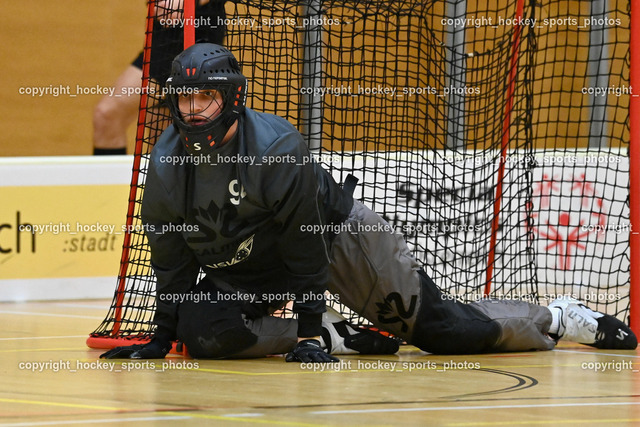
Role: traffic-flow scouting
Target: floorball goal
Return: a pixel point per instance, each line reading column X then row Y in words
column 496, row 138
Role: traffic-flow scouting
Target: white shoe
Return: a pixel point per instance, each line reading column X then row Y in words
column 578, row 323
column 340, row 337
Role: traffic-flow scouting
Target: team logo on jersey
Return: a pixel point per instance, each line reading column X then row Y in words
column 242, row 253
column 213, row 222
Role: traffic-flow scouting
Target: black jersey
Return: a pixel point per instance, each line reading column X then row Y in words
column 244, row 215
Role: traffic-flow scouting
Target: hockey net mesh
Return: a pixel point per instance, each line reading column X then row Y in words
column 414, row 98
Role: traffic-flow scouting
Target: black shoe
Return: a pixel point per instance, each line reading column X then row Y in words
column 614, row 334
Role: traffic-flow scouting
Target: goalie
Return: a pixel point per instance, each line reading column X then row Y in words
column 235, row 193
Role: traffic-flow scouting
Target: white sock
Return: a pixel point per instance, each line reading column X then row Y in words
column 556, row 313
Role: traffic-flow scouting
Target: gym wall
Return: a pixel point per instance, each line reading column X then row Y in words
column 53, row 45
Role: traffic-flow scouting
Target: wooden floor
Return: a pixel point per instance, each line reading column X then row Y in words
column 49, row 377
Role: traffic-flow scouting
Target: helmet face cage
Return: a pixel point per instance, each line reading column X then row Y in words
column 194, row 104
column 206, row 94
column 201, row 104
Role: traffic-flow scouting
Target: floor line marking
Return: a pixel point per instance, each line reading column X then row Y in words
column 596, row 353
column 466, row 408
column 44, row 338
column 93, row 421
column 30, row 313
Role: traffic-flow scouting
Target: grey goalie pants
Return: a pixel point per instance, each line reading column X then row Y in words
column 374, row 274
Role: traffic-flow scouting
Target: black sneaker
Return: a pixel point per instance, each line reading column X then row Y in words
column 614, row 334
column 581, row 324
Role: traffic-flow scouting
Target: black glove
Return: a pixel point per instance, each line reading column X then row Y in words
column 310, row 351
column 155, row 349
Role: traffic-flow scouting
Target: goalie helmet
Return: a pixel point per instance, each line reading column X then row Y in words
column 206, row 67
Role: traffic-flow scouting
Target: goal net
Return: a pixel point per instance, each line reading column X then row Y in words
column 494, row 138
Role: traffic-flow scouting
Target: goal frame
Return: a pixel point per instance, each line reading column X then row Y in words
column 634, row 168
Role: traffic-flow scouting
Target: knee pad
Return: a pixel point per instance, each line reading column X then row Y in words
column 213, row 331
column 446, row 326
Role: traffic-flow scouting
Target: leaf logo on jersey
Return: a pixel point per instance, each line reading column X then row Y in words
column 213, row 221
column 242, row 253
column 392, row 310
